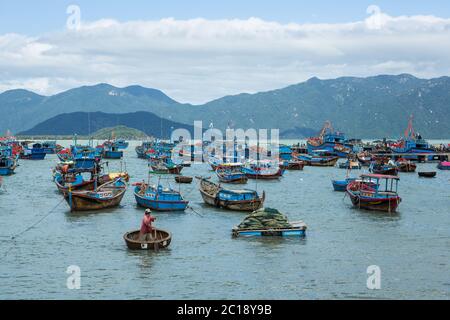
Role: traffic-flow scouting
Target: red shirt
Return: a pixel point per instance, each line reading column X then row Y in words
column 146, row 226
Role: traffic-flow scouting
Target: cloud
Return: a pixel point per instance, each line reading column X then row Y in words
column 197, row 60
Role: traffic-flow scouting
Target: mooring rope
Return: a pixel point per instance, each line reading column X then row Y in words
column 14, row 237
column 193, row 210
column 37, row 222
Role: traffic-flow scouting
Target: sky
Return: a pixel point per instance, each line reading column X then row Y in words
column 199, row 50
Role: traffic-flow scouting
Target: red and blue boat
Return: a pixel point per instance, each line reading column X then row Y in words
column 444, row 165
column 331, row 141
column 375, row 192
column 413, row 146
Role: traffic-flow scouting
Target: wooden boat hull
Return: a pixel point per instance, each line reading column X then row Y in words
column 159, row 205
column 82, row 203
column 88, row 201
column 243, row 205
column 235, row 180
column 322, row 163
column 289, row 232
column 140, row 152
column 353, row 166
column 6, row 171
column 174, row 170
column 183, row 179
column 296, row 165
column 427, row 174
column 262, row 176
column 407, row 167
column 443, row 167
column 163, row 240
column 389, row 204
column 389, row 172
column 9, row 167
column 113, row 155
column 340, row 185
column 33, row 156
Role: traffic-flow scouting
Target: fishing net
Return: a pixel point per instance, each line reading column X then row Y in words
column 265, row 218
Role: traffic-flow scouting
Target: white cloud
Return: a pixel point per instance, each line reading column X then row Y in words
column 197, row 60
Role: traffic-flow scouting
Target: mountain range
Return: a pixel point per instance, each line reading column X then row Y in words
column 370, row 107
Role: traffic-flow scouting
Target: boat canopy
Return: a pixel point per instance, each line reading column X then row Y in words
column 380, row 176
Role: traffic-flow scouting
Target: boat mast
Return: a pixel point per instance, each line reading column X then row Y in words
column 409, row 132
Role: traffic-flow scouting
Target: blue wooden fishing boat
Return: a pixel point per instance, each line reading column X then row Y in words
column 341, row 185
column 8, row 162
column 154, row 149
column 413, row 144
column 231, row 173
column 285, row 152
column 264, row 170
column 293, row 164
column 159, row 198
column 36, row 152
column 111, row 151
column 142, row 149
column 164, row 165
column 121, row 144
column 85, row 157
column 50, row 147
column 320, row 158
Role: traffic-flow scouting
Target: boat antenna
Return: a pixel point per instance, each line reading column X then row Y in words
column 89, row 123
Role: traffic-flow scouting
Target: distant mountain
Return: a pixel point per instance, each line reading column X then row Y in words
column 369, row 107
column 84, row 123
column 362, row 107
column 21, row 109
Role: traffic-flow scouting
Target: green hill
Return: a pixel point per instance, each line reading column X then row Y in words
column 119, row 132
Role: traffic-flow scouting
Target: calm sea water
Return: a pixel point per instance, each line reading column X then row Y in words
column 204, row 262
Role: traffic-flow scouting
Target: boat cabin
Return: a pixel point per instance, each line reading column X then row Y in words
column 386, row 184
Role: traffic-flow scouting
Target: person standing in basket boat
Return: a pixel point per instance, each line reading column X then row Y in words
column 146, row 228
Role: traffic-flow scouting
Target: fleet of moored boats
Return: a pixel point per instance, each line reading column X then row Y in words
column 80, row 176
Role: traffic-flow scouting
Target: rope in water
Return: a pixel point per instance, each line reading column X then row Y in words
column 14, row 237
column 37, row 222
column 193, row 210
